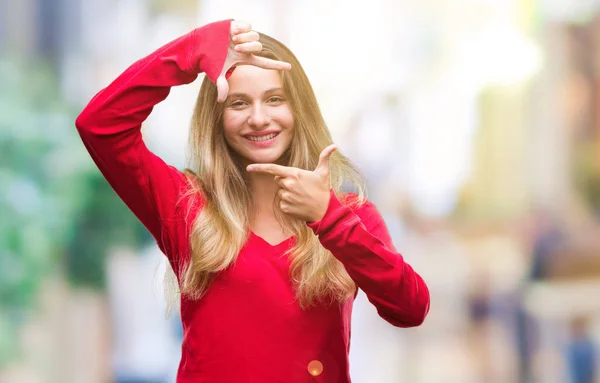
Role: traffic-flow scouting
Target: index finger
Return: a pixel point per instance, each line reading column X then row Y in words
column 265, row 63
column 276, row 170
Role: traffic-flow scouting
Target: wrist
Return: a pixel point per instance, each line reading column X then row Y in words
column 322, row 210
column 210, row 44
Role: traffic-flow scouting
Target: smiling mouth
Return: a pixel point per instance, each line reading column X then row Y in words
column 266, row 137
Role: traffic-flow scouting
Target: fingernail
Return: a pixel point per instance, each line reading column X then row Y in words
column 234, row 39
column 249, row 168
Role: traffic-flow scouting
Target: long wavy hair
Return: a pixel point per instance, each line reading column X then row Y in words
column 217, row 177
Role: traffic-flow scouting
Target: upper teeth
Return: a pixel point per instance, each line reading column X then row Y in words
column 262, row 138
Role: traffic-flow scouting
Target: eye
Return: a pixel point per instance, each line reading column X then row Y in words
column 237, row 104
column 276, row 100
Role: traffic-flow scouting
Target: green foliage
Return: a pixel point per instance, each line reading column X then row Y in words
column 34, row 140
column 103, row 220
column 57, row 213
column 38, row 157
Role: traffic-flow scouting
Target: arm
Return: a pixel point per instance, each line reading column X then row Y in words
column 360, row 240
column 110, row 125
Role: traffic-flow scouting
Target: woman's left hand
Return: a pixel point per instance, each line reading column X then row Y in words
column 303, row 194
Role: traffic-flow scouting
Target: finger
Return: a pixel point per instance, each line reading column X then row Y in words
column 245, row 37
column 266, row 63
column 323, row 165
column 249, row 47
column 281, row 194
column 222, row 88
column 238, row 27
column 284, row 207
column 276, row 170
column 286, row 183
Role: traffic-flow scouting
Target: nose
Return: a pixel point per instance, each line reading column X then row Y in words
column 259, row 117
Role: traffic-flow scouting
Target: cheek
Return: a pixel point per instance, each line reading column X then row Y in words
column 232, row 124
column 285, row 118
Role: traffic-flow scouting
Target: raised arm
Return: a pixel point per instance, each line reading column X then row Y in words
column 360, row 240
column 110, row 125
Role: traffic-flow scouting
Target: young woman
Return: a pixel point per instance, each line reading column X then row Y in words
column 267, row 250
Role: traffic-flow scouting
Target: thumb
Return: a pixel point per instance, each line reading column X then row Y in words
column 222, row 88
column 323, row 166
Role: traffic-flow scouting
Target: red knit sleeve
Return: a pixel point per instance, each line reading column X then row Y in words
column 360, row 239
column 110, row 125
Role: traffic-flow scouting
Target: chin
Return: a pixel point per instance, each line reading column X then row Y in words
column 263, row 158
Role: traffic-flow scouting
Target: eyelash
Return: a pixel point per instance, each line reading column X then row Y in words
column 237, row 103
column 240, row 103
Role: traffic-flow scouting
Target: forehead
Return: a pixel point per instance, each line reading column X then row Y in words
column 250, row 79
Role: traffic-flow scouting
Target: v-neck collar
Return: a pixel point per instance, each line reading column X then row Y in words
column 264, row 241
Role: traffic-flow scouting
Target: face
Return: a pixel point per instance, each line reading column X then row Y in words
column 257, row 120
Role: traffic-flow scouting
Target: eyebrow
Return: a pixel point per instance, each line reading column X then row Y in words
column 268, row 91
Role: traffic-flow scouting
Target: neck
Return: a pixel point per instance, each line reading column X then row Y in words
column 264, row 190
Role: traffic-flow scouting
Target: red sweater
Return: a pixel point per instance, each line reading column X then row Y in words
column 248, row 327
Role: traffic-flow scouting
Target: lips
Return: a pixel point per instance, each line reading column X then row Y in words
column 261, row 136
column 263, row 139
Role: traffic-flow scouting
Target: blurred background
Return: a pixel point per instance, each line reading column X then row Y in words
column 476, row 122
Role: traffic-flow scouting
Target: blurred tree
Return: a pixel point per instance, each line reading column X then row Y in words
column 103, row 221
column 37, row 164
column 53, row 200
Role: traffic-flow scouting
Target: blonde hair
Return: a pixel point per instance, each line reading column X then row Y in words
column 221, row 228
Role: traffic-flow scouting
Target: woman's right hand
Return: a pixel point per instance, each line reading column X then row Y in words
column 243, row 45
